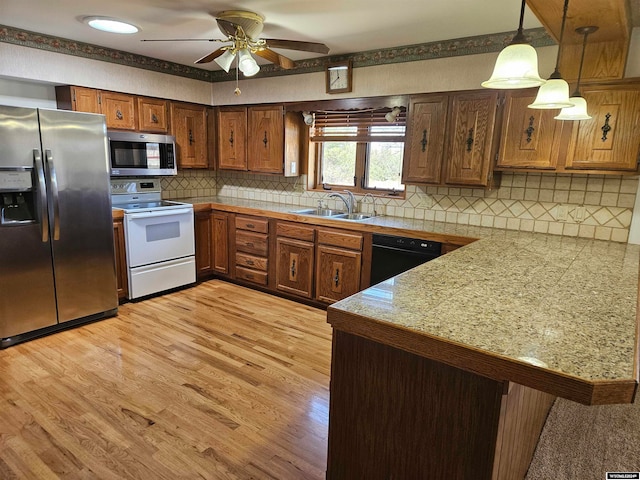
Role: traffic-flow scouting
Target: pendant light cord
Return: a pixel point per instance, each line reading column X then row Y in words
column 519, row 37
column 556, row 72
column 584, row 47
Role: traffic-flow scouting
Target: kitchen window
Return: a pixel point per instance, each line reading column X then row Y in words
column 359, row 150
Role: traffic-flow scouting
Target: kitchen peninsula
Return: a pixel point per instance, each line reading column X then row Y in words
column 449, row 370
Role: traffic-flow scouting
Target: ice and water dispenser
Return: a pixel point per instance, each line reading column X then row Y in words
column 17, row 196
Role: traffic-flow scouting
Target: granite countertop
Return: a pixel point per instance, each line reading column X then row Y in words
column 560, row 311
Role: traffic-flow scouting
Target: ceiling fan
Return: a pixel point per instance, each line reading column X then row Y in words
column 243, row 29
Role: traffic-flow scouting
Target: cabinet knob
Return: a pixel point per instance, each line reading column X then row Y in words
column 154, row 118
column 119, row 115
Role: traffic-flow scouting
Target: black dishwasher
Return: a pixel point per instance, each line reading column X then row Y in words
column 393, row 255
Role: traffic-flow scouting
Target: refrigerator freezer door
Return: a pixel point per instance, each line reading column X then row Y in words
column 76, row 163
column 27, row 296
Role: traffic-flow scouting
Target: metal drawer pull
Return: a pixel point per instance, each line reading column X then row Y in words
column 529, row 131
column 470, row 140
column 264, row 140
column 154, row 118
column 336, row 279
column 118, row 114
column 423, row 142
column 190, row 137
column 249, row 244
column 293, row 268
column 250, row 262
column 250, row 225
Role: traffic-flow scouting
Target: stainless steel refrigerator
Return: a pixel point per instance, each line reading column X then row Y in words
column 57, row 264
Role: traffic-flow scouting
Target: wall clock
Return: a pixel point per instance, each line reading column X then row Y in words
column 339, row 77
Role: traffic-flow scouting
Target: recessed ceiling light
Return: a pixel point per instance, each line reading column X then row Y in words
column 110, row 25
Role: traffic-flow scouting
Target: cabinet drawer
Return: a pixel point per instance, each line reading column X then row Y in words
column 260, row 225
column 337, row 238
column 251, row 261
column 254, row 243
column 296, row 230
column 251, row 275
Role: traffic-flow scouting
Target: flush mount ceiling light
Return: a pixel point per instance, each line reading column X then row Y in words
column 517, row 64
column 110, row 25
column 555, row 93
column 579, row 109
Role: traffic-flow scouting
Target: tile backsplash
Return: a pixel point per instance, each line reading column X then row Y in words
column 589, row 206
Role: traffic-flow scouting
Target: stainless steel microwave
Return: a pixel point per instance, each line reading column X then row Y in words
column 141, row 154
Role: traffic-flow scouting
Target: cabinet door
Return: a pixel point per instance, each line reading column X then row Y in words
column 189, row 125
column 119, row 110
column 610, row 140
column 220, row 244
column 470, row 138
column 528, row 135
column 232, row 139
column 265, row 142
column 425, row 139
column 204, row 245
column 153, row 115
column 121, row 259
column 294, row 267
column 337, row 273
column 85, row 100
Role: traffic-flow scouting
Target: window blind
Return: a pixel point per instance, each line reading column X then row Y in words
column 358, row 126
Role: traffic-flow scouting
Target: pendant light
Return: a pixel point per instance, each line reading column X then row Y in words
column 517, row 64
column 579, row 109
column 555, row 93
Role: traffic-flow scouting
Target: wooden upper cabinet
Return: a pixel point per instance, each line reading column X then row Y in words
column 265, row 142
column 119, row 110
column 85, row 100
column 470, row 146
column 530, row 137
column 189, row 126
column 425, row 139
column 610, row 140
column 153, row 115
column 232, row 138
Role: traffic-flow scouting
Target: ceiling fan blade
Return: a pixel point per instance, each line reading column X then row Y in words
column 186, row 40
column 228, row 28
column 211, row 56
column 276, row 58
column 296, row 45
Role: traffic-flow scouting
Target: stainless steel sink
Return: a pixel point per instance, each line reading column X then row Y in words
column 353, row 216
column 321, row 212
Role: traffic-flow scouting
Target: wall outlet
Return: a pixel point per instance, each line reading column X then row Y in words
column 561, row 213
column 579, row 213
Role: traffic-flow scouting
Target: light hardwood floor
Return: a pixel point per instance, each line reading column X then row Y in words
column 213, row 382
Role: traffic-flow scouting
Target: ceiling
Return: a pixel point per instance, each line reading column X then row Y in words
column 344, row 26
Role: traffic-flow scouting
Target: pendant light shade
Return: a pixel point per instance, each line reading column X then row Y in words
column 516, row 67
column 577, row 112
column 517, row 64
column 579, row 109
column 555, row 93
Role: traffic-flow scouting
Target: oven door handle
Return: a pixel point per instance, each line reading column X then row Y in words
column 159, row 213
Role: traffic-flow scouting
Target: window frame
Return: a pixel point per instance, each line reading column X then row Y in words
column 363, row 140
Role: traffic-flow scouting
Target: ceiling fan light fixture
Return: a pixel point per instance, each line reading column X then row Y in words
column 225, row 60
column 517, row 63
column 111, row 25
column 577, row 112
column 309, row 118
column 247, row 64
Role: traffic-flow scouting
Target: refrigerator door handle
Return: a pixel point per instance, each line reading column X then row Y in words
column 42, row 190
column 48, row 156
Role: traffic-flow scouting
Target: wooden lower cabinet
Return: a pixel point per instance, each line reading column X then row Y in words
column 251, row 249
column 120, row 258
column 220, row 244
column 295, row 258
column 337, row 273
column 204, row 243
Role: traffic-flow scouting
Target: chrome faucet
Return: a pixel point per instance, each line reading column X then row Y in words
column 352, row 201
column 373, row 200
column 343, row 198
